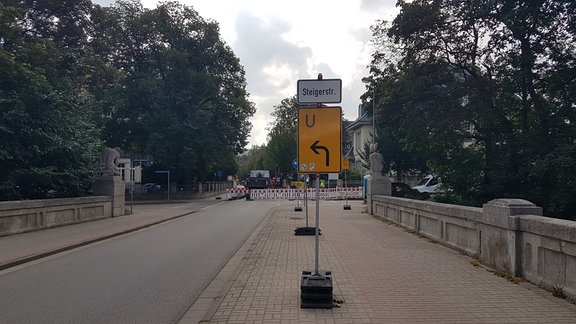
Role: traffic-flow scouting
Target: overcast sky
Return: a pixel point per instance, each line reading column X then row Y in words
column 281, row 42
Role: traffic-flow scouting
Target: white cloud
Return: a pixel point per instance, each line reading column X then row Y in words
column 279, row 43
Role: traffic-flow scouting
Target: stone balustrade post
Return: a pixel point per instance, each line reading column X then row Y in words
column 112, row 186
column 501, row 244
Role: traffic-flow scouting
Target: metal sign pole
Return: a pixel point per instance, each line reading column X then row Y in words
column 306, row 201
column 317, row 222
column 345, row 188
column 131, row 196
column 346, row 205
column 298, row 198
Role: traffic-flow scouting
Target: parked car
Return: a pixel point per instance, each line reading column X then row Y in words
column 151, row 187
column 429, row 185
column 401, row 189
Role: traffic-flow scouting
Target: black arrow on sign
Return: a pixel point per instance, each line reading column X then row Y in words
column 315, row 148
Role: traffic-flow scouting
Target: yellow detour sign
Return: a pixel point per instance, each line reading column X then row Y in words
column 319, row 140
column 345, row 164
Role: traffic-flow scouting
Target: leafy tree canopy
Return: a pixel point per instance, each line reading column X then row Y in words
column 484, row 91
column 49, row 142
column 182, row 96
column 75, row 76
column 277, row 155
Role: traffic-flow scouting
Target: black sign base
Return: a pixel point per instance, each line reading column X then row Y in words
column 297, row 208
column 307, row 231
column 316, row 290
column 347, row 207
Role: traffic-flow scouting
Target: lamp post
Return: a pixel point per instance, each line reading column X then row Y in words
column 369, row 80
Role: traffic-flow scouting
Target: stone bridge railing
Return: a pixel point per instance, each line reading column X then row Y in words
column 507, row 235
column 32, row 215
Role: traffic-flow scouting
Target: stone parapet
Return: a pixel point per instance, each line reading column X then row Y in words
column 32, row 215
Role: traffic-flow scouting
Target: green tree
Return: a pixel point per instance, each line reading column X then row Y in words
column 182, row 96
column 155, row 82
column 399, row 143
column 252, row 159
column 482, row 90
column 49, row 143
column 282, row 135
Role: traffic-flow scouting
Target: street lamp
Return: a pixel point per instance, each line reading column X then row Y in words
column 369, row 80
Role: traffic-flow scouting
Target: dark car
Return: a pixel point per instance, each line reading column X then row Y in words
column 151, row 187
column 401, row 189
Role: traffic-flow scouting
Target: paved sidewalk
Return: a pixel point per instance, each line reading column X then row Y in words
column 381, row 274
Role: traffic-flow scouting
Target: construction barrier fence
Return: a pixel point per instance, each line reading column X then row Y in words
column 325, row 193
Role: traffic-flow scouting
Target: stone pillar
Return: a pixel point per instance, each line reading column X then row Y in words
column 501, row 245
column 112, row 186
column 377, row 185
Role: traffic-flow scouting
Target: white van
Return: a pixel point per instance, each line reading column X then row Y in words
column 429, row 184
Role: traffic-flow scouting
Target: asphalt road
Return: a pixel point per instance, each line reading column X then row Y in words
column 149, row 276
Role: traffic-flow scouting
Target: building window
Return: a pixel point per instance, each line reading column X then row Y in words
column 468, row 127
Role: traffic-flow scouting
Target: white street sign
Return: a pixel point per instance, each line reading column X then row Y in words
column 319, row 91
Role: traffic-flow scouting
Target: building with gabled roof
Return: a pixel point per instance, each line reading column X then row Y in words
column 360, row 131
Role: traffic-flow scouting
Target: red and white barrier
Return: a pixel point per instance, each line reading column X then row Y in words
column 325, row 193
column 234, row 193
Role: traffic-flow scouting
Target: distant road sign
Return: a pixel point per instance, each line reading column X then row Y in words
column 319, row 91
column 345, row 164
column 319, row 140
